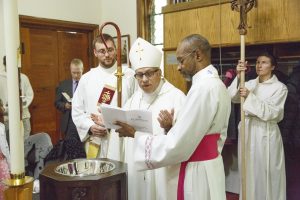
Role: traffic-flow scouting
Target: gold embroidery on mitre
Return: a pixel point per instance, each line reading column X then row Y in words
column 139, row 51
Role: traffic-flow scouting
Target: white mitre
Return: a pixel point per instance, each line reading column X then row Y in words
column 143, row 54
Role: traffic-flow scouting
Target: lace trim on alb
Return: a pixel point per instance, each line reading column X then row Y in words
column 148, row 149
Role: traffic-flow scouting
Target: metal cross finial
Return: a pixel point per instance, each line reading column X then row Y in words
column 139, row 51
column 243, row 6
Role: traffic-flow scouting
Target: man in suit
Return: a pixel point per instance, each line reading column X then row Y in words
column 64, row 94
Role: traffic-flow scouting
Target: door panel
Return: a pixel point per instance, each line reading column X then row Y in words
column 48, row 47
column 46, row 61
column 40, row 64
column 71, row 45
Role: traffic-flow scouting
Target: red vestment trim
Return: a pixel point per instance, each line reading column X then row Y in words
column 106, row 95
column 206, row 150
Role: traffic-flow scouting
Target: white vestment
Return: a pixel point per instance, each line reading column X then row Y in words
column 26, row 96
column 265, row 162
column 86, row 96
column 205, row 111
column 158, row 184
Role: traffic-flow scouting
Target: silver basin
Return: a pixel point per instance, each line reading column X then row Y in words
column 84, row 167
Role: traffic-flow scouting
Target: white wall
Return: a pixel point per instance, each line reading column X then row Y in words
column 124, row 15
column 87, row 11
column 122, row 12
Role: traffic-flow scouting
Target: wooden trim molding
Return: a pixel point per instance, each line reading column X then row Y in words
column 143, row 19
column 60, row 25
column 192, row 5
column 35, row 22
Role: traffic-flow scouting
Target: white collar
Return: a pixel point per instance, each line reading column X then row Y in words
column 148, row 97
column 209, row 71
column 270, row 80
column 108, row 70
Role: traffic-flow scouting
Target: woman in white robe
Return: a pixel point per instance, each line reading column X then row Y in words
column 264, row 103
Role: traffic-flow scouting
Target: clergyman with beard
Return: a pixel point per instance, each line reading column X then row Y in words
column 95, row 87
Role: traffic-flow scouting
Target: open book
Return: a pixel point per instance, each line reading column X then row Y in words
column 141, row 120
column 68, row 98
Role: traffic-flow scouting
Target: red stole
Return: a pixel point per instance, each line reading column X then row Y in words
column 206, row 150
column 106, row 95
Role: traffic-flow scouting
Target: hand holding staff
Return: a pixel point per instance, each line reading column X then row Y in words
column 243, row 6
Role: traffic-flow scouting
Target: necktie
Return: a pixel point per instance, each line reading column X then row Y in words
column 75, row 86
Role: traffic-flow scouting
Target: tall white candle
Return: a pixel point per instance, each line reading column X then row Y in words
column 12, row 43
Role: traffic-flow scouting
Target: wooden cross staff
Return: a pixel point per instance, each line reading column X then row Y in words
column 119, row 73
column 243, row 6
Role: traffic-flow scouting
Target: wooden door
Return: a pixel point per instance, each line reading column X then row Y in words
column 46, row 61
column 71, row 45
column 48, row 48
column 40, row 64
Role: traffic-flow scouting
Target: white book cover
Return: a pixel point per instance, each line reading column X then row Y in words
column 68, row 98
column 141, row 120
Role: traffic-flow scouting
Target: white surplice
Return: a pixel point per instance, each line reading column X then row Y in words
column 265, row 162
column 158, row 184
column 205, row 111
column 85, row 100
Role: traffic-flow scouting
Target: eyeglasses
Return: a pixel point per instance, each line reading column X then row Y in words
column 180, row 60
column 104, row 51
column 148, row 74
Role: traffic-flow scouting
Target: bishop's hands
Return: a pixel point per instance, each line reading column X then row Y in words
column 165, row 119
column 125, row 130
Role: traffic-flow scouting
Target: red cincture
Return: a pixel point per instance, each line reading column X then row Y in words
column 206, row 150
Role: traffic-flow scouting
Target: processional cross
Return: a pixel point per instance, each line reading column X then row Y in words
column 243, row 7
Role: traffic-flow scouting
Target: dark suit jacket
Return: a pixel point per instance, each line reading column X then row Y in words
column 66, row 124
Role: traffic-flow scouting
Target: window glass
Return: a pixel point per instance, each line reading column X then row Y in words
column 156, row 22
